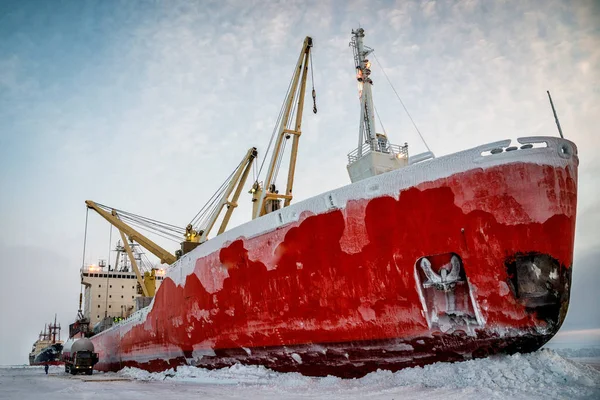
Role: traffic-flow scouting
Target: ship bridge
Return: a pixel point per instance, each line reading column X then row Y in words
column 113, row 293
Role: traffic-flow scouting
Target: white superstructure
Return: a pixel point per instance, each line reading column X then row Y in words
column 374, row 154
column 109, row 293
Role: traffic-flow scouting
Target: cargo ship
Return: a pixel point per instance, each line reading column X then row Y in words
column 47, row 349
column 420, row 259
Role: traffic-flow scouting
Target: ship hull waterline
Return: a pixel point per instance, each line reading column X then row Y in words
column 460, row 257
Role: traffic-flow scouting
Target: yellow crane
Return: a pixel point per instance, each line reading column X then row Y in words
column 146, row 281
column 266, row 198
column 163, row 255
column 198, row 230
column 195, row 233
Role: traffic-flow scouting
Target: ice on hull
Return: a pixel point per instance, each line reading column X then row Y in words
column 465, row 256
column 354, row 359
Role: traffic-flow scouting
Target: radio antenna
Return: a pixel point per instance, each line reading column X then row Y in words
column 555, row 117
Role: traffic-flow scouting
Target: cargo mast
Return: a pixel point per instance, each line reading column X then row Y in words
column 226, row 198
column 375, row 154
column 266, row 198
column 366, row 132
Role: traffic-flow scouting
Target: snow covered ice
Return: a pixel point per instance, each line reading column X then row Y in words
column 541, row 375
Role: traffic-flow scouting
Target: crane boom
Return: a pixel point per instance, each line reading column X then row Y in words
column 237, row 182
column 266, row 199
column 134, row 265
column 162, row 254
column 249, row 159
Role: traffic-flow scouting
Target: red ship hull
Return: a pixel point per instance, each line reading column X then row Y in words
column 469, row 258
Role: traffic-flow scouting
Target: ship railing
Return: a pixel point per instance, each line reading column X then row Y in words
column 366, row 148
column 136, row 316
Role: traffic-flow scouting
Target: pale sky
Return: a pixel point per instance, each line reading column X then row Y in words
column 149, row 105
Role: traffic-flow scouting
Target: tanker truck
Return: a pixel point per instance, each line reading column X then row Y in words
column 78, row 355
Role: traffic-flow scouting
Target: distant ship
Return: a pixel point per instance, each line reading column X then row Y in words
column 418, row 260
column 47, row 349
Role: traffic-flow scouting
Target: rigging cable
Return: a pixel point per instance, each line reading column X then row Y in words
column 202, row 218
column 203, row 223
column 312, row 81
column 147, row 260
column 109, row 245
column 108, row 273
column 122, row 212
column 291, row 125
column 145, row 226
column 149, row 221
column 148, row 224
column 278, row 163
column 87, row 211
column 148, row 227
column 138, row 256
column 171, row 237
column 276, row 128
column 401, row 102
column 380, row 122
column 201, row 215
column 209, row 209
column 254, row 170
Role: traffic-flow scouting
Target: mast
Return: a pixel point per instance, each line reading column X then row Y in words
column 363, row 76
column 266, row 198
column 52, row 329
column 555, row 116
column 237, row 182
column 375, row 154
